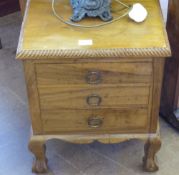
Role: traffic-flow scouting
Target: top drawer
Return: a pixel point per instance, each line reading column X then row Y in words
column 94, row 73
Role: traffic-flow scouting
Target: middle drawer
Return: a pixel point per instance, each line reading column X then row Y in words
column 86, row 96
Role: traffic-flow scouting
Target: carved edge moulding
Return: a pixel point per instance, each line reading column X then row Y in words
column 93, row 53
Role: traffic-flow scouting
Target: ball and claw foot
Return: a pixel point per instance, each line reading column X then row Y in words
column 152, row 146
column 40, row 166
column 150, row 165
column 37, row 147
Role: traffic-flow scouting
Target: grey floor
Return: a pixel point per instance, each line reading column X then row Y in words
column 64, row 158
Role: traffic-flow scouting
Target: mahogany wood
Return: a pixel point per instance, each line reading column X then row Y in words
column 170, row 92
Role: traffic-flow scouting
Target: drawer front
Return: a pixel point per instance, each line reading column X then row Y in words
column 102, row 121
column 93, row 73
column 89, row 97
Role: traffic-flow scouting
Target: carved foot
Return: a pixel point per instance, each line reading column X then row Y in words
column 39, row 166
column 152, row 146
column 37, row 147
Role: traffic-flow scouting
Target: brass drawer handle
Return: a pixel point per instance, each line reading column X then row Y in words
column 93, row 77
column 94, row 100
column 95, row 122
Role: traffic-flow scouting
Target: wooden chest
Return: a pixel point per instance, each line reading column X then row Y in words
column 93, row 84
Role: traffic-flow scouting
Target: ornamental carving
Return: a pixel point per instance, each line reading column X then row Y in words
column 91, row 8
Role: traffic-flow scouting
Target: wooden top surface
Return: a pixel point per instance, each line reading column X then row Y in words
column 44, row 36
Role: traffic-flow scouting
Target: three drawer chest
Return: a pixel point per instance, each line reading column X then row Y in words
column 88, row 85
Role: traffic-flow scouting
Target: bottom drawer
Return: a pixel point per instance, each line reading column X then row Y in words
column 98, row 121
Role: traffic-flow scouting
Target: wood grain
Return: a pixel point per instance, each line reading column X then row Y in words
column 33, row 97
column 103, row 138
column 114, row 121
column 157, row 85
column 110, row 73
column 60, row 40
column 75, row 97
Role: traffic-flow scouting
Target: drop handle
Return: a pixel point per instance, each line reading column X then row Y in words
column 95, row 122
column 94, row 100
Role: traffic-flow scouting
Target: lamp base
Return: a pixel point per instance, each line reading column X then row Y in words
column 91, row 8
